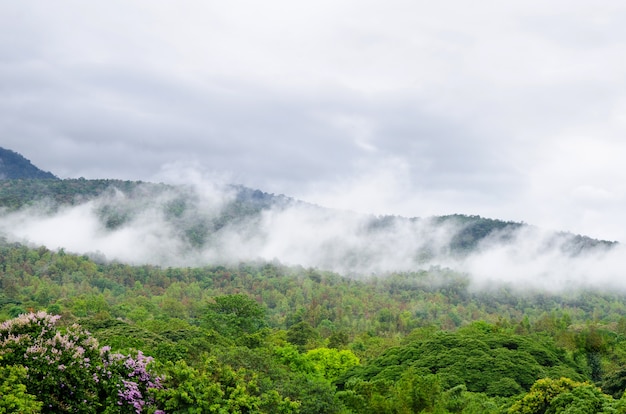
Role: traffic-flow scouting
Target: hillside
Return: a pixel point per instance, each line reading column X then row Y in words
column 262, row 335
column 200, row 218
column 202, row 221
column 121, row 296
column 15, row 166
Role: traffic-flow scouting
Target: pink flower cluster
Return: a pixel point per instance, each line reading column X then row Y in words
column 139, row 379
column 67, row 367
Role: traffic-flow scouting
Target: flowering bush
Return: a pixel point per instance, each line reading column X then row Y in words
column 129, row 383
column 69, row 372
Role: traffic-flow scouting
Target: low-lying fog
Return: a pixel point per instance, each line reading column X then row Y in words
column 301, row 234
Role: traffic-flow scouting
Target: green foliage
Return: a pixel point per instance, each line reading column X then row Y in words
column 235, row 316
column 279, row 329
column 498, row 364
column 285, row 369
column 473, row 230
column 291, row 357
column 16, row 311
column 338, row 340
column 315, row 395
column 18, row 193
column 563, row 396
column 593, row 342
column 615, row 383
column 14, row 397
column 415, row 391
column 331, row 363
column 217, row 388
column 124, row 337
column 301, row 334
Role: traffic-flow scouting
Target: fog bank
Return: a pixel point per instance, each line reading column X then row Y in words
column 214, row 224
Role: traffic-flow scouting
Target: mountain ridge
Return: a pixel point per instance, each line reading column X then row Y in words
column 15, row 166
column 218, row 222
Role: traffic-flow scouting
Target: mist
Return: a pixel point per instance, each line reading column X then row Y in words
column 202, row 224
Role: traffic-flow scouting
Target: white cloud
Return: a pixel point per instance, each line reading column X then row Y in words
column 512, row 110
column 349, row 243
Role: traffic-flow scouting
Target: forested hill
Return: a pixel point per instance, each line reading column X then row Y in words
column 199, row 214
column 277, row 339
column 193, row 225
column 118, row 202
column 15, row 166
column 190, row 312
column 19, row 193
column 474, row 229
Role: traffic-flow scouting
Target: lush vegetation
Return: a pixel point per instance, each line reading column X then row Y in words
column 85, row 336
column 262, row 337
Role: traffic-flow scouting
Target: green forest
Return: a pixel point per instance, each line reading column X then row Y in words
column 86, row 335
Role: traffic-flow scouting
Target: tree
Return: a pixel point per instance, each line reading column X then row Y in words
column 563, row 395
column 497, row 364
column 70, row 373
column 14, row 397
column 217, row 388
column 235, row 316
column 301, row 334
column 331, row 363
column 593, row 342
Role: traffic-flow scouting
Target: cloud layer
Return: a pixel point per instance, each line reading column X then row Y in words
column 511, row 110
column 195, row 227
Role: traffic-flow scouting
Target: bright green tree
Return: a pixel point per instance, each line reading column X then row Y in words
column 217, row 388
column 331, row 363
column 14, row 397
column 563, row 396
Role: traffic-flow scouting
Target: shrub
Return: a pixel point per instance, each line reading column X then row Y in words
column 69, row 372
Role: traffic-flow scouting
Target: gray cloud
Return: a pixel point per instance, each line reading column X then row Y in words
column 506, row 110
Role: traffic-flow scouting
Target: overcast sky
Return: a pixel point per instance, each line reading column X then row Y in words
column 513, row 110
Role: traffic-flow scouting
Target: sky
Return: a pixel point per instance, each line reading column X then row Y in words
column 513, row 110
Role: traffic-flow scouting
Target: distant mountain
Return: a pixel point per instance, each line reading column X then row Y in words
column 119, row 203
column 187, row 224
column 205, row 219
column 15, row 166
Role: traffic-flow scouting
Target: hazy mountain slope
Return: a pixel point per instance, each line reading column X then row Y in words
column 121, row 201
column 15, row 166
column 204, row 223
column 242, row 202
column 185, row 225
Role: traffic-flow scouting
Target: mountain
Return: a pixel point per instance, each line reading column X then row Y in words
column 436, row 324
column 183, row 225
column 15, row 166
column 194, row 225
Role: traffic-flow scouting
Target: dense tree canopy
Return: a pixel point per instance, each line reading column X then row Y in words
column 265, row 337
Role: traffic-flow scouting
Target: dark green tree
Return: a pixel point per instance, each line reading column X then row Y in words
column 235, row 316
column 301, row 334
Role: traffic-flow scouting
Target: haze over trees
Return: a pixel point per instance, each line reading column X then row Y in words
column 85, row 332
